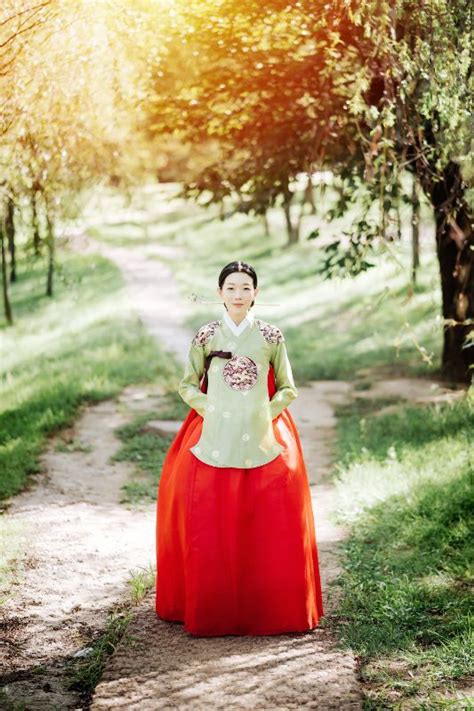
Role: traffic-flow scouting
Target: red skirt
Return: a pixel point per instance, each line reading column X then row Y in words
column 236, row 548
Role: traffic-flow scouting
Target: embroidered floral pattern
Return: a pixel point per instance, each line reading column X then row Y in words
column 271, row 334
column 240, row 373
column 205, row 333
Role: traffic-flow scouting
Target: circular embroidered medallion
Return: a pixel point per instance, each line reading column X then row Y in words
column 240, row 373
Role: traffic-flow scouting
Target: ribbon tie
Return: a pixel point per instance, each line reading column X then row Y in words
column 207, row 362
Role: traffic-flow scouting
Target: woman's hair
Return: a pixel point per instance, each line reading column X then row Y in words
column 238, row 267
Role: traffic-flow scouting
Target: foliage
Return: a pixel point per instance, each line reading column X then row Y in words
column 67, row 111
column 277, row 89
column 251, row 91
column 366, row 89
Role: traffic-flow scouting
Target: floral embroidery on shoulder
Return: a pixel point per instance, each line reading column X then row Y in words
column 271, row 334
column 205, row 333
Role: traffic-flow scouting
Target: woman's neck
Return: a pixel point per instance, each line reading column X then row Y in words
column 237, row 318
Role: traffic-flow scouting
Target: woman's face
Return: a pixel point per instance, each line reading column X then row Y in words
column 237, row 293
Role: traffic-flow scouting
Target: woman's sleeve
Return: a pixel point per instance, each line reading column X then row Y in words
column 285, row 385
column 189, row 386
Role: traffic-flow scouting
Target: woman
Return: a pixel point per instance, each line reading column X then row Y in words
column 236, row 547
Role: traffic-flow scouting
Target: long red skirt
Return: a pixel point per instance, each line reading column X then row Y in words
column 236, row 548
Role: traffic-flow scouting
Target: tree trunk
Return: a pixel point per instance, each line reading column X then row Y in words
column 266, row 224
column 321, row 193
column 455, row 249
column 6, row 299
column 383, row 212
column 398, row 220
column 415, row 231
column 309, row 196
column 291, row 229
column 35, row 224
column 50, row 248
column 10, row 234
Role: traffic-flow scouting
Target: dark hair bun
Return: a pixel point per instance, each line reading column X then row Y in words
column 237, row 267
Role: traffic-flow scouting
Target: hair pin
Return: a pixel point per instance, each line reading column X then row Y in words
column 201, row 300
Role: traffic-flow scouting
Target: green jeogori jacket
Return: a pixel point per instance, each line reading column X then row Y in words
column 237, row 412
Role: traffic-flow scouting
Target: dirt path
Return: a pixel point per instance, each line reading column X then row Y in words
column 80, row 547
column 80, row 543
column 164, row 667
column 151, row 288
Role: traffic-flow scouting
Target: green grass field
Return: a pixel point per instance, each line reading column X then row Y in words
column 82, row 346
column 405, row 484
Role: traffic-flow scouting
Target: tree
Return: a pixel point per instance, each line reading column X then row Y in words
column 68, row 99
column 3, row 257
column 415, row 114
column 365, row 88
column 250, row 78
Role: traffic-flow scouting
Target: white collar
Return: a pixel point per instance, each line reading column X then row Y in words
column 237, row 330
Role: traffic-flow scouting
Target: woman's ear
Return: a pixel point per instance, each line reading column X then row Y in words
column 256, row 290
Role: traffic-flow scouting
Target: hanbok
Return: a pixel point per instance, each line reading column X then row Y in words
column 236, row 547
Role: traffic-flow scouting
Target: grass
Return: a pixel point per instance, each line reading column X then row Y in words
column 73, row 445
column 405, row 483
column 85, row 673
column 13, row 544
column 147, row 450
column 140, row 582
column 84, row 345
